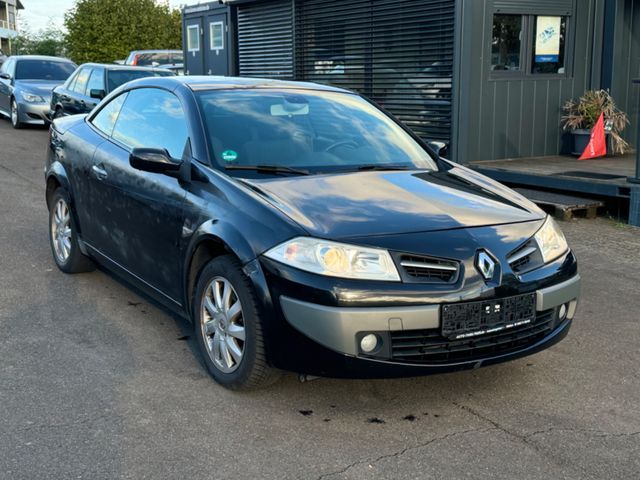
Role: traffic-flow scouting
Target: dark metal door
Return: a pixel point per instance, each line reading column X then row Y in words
column 216, row 45
column 140, row 218
column 194, row 48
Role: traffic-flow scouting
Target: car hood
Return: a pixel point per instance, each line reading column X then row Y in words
column 38, row 87
column 393, row 202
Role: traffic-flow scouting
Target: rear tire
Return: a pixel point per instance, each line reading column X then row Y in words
column 63, row 236
column 229, row 328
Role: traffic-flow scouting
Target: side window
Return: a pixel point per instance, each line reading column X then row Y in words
column 505, row 46
column 216, row 35
column 81, row 82
column 96, row 80
column 106, row 118
column 152, row 118
column 528, row 45
column 549, row 44
column 7, row 67
column 193, row 38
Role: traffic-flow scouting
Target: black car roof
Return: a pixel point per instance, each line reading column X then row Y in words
column 202, row 83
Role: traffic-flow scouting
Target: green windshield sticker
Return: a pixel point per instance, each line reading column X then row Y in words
column 229, row 155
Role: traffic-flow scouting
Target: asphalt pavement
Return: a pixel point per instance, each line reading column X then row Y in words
column 97, row 382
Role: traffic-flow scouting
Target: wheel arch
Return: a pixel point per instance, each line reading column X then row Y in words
column 212, row 240
column 56, row 177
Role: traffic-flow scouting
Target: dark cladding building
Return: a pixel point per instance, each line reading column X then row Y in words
column 488, row 77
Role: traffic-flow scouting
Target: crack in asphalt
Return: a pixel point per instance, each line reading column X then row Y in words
column 525, row 438
column 402, row 451
column 21, row 177
column 590, row 431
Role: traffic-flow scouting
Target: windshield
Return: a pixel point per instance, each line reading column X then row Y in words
column 115, row 78
column 43, row 70
column 312, row 130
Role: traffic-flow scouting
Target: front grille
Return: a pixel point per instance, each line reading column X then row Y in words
column 426, row 269
column 525, row 258
column 429, row 346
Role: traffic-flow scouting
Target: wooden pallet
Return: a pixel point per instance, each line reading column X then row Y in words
column 562, row 206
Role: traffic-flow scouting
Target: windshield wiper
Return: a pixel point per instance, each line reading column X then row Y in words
column 268, row 169
column 363, row 168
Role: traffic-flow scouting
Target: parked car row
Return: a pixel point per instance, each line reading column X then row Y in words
column 35, row 89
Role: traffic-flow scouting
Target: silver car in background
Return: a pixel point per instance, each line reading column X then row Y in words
column 26, row 83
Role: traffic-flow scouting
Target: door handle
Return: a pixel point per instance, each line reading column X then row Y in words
column 99, row 172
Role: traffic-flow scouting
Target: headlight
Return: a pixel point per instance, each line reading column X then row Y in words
column 32, row 98
column 336, row 259
column 551, row 240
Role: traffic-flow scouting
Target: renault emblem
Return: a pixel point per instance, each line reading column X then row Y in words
column 485, row 265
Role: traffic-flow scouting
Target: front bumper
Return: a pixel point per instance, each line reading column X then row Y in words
column 341, row 328
column 33, row 113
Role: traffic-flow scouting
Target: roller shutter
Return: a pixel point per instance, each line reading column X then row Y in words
column 397, row 52
column 265, row 39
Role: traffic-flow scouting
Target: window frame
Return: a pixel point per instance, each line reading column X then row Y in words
column 196, row 27
column 527, row 47
column 211, row 37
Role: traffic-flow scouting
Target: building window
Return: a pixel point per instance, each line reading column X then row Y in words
column 549, row 44
column 216, row 35
column 193, row 38
column 506, row 45
column 528, row 45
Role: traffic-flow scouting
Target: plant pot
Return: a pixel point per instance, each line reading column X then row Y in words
column 581, row 137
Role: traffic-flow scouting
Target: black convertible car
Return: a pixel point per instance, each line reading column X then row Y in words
column 302, row 228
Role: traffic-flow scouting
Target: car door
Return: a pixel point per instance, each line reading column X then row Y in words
column 6, row 85
column 75, row 103
column 139, row 214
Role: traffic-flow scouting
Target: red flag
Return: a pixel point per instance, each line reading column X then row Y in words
column 598, row 144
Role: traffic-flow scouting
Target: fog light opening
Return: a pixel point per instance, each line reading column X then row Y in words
column 369, row 343
column 562, row 313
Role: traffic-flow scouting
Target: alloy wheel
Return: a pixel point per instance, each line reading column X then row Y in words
column 14, row 113
column 61, row 231
column 222, row 325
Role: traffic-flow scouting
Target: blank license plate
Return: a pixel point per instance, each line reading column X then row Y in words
column 465, row 320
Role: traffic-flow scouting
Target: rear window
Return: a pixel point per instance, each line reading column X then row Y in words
column 115, row 78
column 43, row 70
column 150, row 59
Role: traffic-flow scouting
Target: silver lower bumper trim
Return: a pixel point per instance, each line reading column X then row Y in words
column 336, row 327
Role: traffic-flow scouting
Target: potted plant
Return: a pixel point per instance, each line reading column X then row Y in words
column 580, row 117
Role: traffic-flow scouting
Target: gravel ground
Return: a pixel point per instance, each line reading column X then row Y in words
column 98, row 382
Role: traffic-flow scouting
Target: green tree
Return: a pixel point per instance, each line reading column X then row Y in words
column 45, row 42
column 107, row 30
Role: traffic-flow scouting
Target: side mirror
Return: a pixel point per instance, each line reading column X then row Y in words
column 155, row 160
column 97, row 93
column 439, row 147
column 5, row 76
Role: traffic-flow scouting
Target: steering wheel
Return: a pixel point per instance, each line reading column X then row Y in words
column 341, row 143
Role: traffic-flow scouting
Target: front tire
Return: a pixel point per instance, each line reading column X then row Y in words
column 228, row 326
column 15, row 115
column 63, row 236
